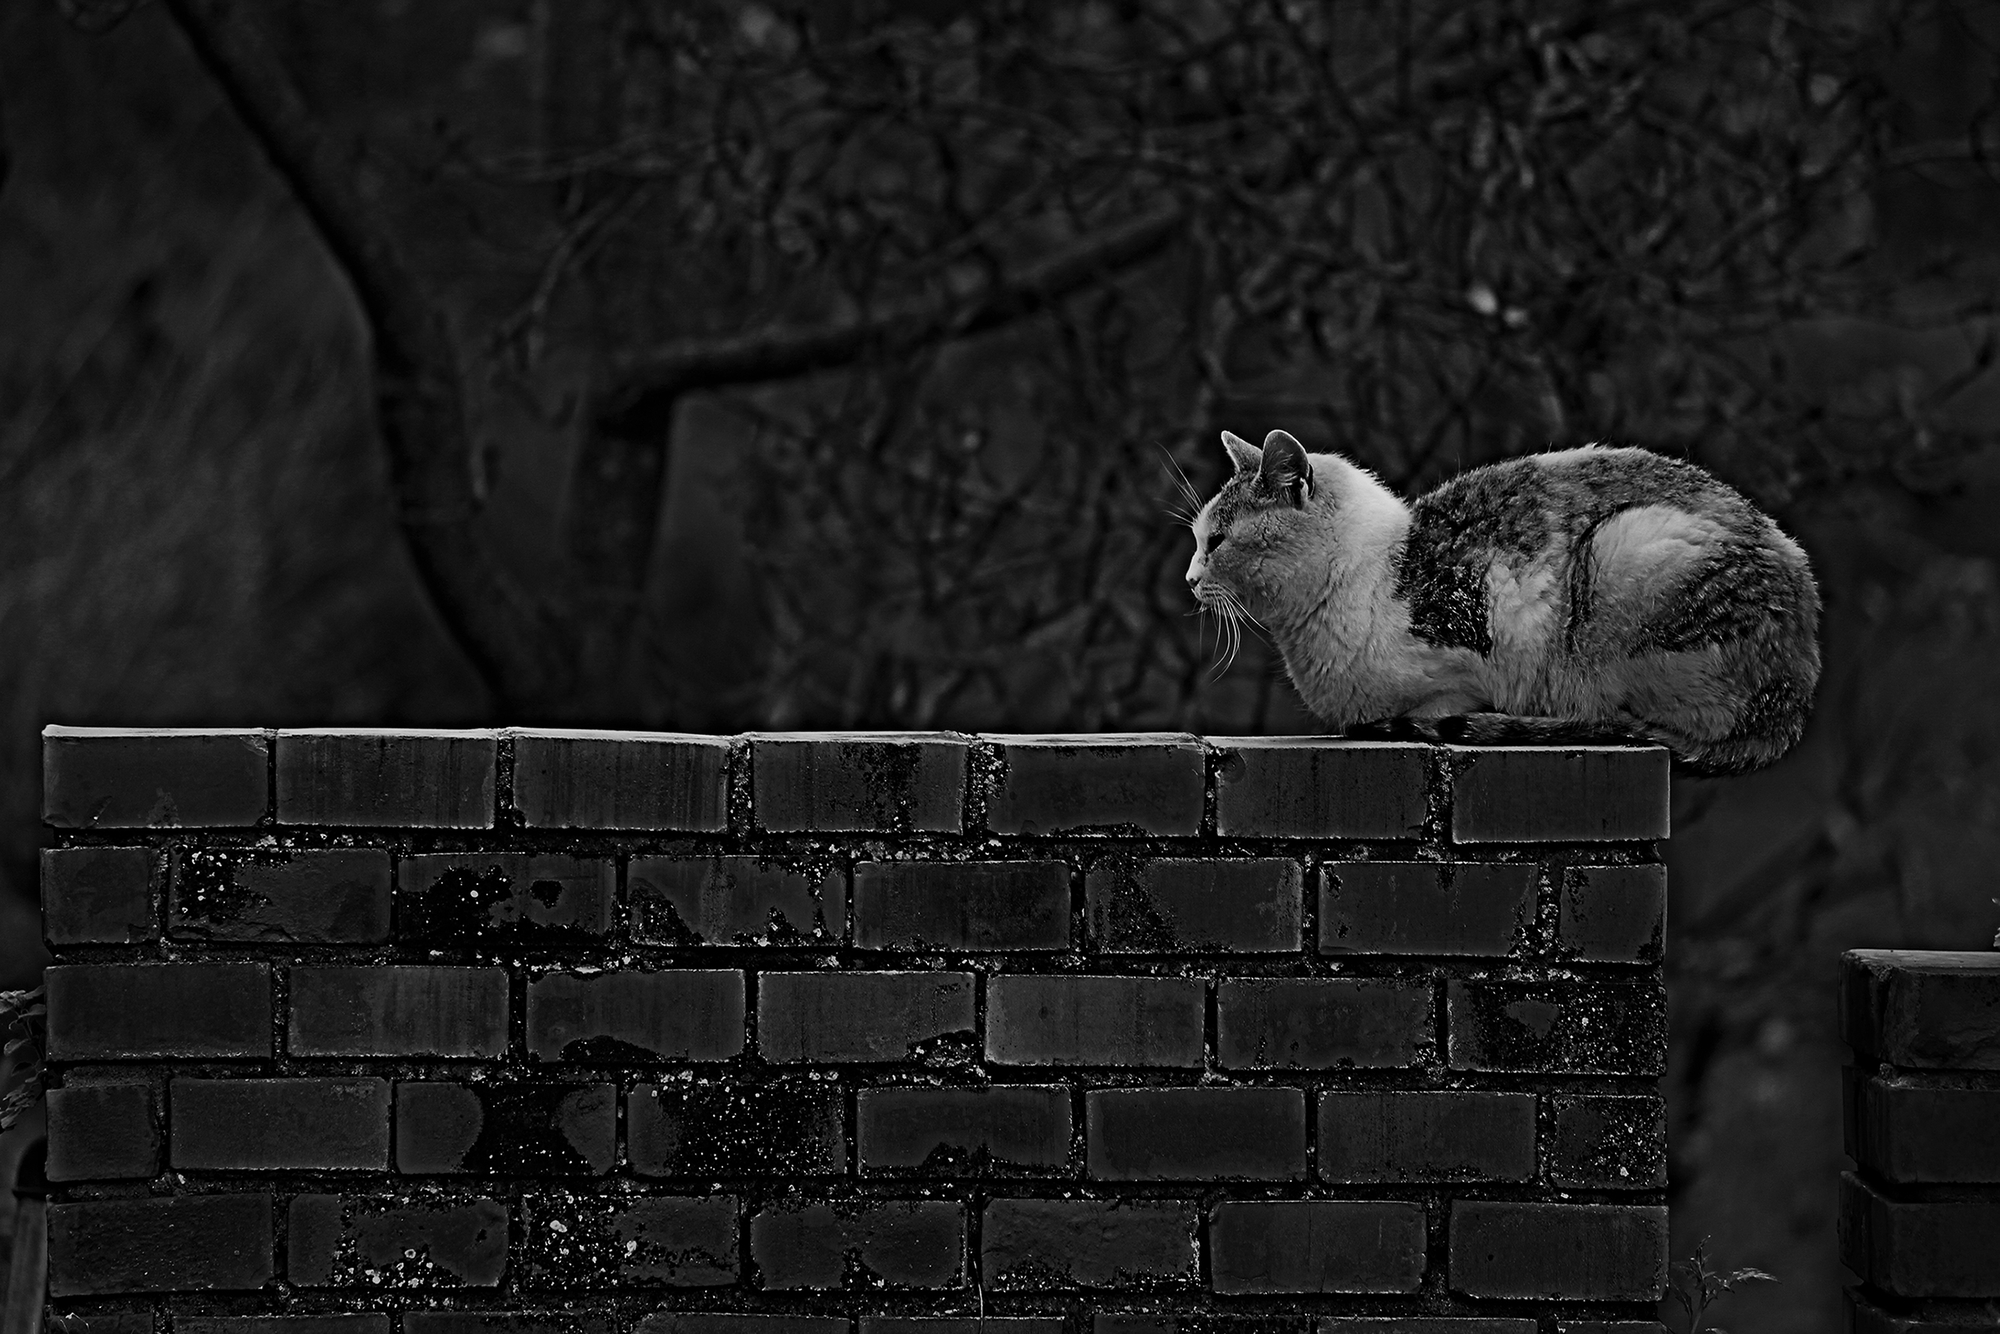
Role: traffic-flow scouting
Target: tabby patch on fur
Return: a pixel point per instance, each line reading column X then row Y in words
column 1582, row 594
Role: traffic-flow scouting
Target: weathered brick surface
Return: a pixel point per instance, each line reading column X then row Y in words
column 1003, row 905
column 127, row 778
column 188, row 1243
column 1094, row 1021
column 1143, row 784
column 1541, row 794
column 880, row 782
column 335, row 896
column 539, row 1129
column 1174, row 905
column 1596, row 1027
column 1322, row 1023
column 686, row 1014
column 1425, row 907
column 1277, row 1246
column 1426, row 1135
column 606, row 1033
column 891, row 1243
column 269, row 1125
column 143, row 1011
column 620, row 780
column 964, row 1131
column 1931, row 1128
column 1613, row 914
column 789, row 1128
column 829, row 1017
column 1196, row 1134
column 1588, row 1252
column 1608, row 1142
column 1033, row 1245
column 398, row 1011
column 1923, row 1009
column 733, row 901
column 1920, row 1248
column 448, row 899
column 1289, row 787
column 414, row 778
column 619, row 1243
column 103, row 1131
column 359, row 1241
column 97, row 896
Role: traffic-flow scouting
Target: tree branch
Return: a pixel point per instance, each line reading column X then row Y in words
column 512, row 637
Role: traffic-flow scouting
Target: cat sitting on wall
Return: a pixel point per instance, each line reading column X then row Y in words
column 1583, row 594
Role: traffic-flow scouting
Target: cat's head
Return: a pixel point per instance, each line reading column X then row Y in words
column 1279, row 518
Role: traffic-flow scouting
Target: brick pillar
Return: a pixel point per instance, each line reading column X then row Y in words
column 656, row 1034
column 1920, row 1214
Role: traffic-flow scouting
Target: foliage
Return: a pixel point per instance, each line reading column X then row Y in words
column 1696, row 1287
column 25, row 1015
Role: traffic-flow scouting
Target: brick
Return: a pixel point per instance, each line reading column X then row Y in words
column 1608, row 1142
column 985, row 1324
column 1931, row 1248
column 670, row 1322
column 97, row 896
column 863, row 782
column 1595, row 1027
column 1580, row 1252
column 146, row 778
column 616, row 1243
column 1483, row 908
column 1919, row 1129
column 1198, row 1322
column 186, row 1243
column 1613, row 914
column 1922, row 1009
column 964, row 1131
column 1545, row 794
column 1865, row 1317
column 265, row 1324
column 1109, row 1021
column 790, row 1128
column 876, row 1244
column 1316, row 1246
column 387, row 778
column 268, row 1324
column 103, row 1131
column 1196, row 1134
column 1195, row 904
column 1426, row 1136
column 381, row 1242
column 464, row 899
column 565, row 1321
column 1130, row 1245
column 961, row 905
column 268, row 1125
column 733, row 901
column 334, row 896
column 146, row 1011
column 1610, row 1327
column 684, row 1014
column 526, row 1129
column 859, row 1016
column 1323, row 1023
column 621, row 780
column 404, row 1010
column 1426, row 1325
column 1320, row 787
column 113, row 1322
column 1125, row 783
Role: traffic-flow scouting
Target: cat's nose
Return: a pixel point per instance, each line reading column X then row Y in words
column 1194, row 571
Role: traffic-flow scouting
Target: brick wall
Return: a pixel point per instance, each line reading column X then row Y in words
column 656, row 1034
column 1920, row 1214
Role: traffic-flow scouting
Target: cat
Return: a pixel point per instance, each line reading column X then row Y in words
column 1579, row 595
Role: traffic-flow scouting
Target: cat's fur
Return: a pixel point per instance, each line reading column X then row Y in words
column 1593, row 593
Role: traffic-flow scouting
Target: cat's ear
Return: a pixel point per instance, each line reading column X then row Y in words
column 1241, row 452
column 1285, row 470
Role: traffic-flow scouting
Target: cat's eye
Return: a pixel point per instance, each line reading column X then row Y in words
column 1216, row 539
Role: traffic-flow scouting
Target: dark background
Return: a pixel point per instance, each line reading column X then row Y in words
column 714, row 366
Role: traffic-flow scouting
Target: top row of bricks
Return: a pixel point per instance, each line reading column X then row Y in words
column 1152, row 784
